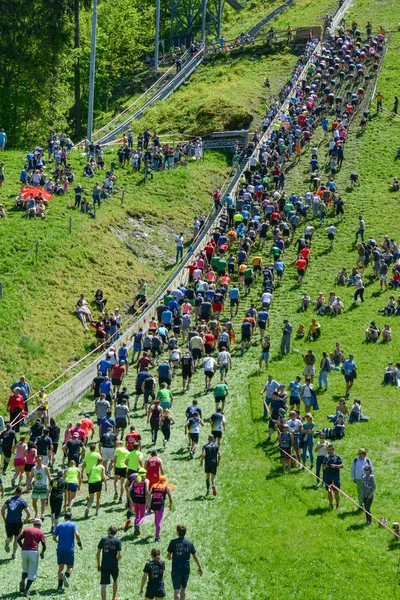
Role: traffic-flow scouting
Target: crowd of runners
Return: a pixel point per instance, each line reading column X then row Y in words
column 200, row 327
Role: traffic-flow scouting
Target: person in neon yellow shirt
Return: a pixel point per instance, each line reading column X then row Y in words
column 121, row 455
column 73, row 480
column 96, row 477
column 90, row 460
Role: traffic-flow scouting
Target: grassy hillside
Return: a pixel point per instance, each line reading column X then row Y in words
column 124, row 243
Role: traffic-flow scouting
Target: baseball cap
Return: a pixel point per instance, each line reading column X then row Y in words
column 37, row 522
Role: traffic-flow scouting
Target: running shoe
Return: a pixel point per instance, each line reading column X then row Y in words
column 7, row 546
column 65, row 580
column 127, row 525
column 214, row 490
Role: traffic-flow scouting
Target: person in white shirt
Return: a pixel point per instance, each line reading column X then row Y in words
column 266, row 300
column 210, row 366
column 224, row 363
column 295, row 426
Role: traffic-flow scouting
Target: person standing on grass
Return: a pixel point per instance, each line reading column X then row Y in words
column 369, row 487
column 349, row 370
column 321, row 449
column 29, row 541
column 156, row 502
column 308, row 431
column 295, row 426
column 361, row 229
column 110, row 550
column 331, row 465
column 379, row 100
column 179, row 247
column 359, row 293
column 11, row 511
column 286, row 337
column 65, row 534
column 357, row 472
column 96, row 477
column 286, row 442
column 179, row 552
column 153, row 572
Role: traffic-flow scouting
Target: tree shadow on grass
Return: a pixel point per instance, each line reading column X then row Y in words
column 320, row 510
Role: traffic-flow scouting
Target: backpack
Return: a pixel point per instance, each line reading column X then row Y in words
column 328, row 366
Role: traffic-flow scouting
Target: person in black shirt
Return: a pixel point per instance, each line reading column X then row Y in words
column 57, row 487
column 247, row 331
column 44, row 446
column 97, row 381
column 154, row 571
column 8, row 438
column 36, row 430
column 211, row 456
column 54, row 435
column 75, row 449
column 179, row 551
column 109, row 548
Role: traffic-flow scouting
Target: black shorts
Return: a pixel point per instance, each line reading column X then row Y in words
column 300, row 272
column 7, row 452
column 120, row 423
column 120, row 471
column 179, row 579
column 56, row 506
column 166, row 380
column 219, row 399
column 194, row 437
column 13, row 529
column 332, row 481
column 186, row 374
column 196, row 353
column 106, row 574
column 248, row 281
column 294, row 400
column 217, row 434
column 209, row 374
column 285, row 452
column 155, row 592
column 246, row 338
column 210, row 468
column 256, row 268
column 55, row 447
column 271, row 424
column 262, row 325
column 116, row 381
column 95, row 487
column 28, row 468
column 208, row 349
column 234, row 301
column 138, row 390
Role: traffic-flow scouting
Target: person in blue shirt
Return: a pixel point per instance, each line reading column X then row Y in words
column 107, row 423
column 123, row 355
column 106, row 388
column 173, row 307
column 234, row 297
column 11, row 511
column 3, row 139
column 279, row 268
column 294, row 391
column 65, row 534
column 104, row 365
column 24, row 175
column 166, row 318
column 350, row 373
column 164, row 374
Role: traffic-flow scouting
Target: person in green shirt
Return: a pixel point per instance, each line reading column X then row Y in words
column 276, row 252
column 164, row 395
column 221, row 270
column 134, row 460
column 89, row 460
column 168, row 297
column 215, row 263
column 237, row 218
column 248, row 279
column 120, row 457
column 72, row 478
column 220, row 393
column 96, row 477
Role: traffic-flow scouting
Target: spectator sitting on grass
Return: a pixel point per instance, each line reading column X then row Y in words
column 372, row 332
column 356, row 411
column 342, row 277
column 337, row 306
column 2, row 212
column 353, row 276
column 314, row 331
column 395, row 187
column 386, row 333
column 342, row 407
column 389, row 374
column 395, row 281
column 337, row 355
column 390, row 308
column 300, row 333
column 83, row 313
column 319, row 302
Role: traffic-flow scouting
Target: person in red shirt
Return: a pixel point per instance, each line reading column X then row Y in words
column 117, row 375
column 133, row 437
column 29, row 542
column 144, row 362
column 154, row 468
column 87, row 425
column 301, row 268
column 275, row 218
column 305, row 253
column 191, row 268
column 209, row 343
column 15, row 405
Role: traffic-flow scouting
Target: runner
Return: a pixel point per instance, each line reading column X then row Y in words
column 133, row 437
column 65, row 534
column 72, row 477
column 153, row 572
column 154, row 468
column 166, row 421
column 137, row 496
column 107, row 449
column 220, row 393
column 211, row 457
column 179, row 551
column 154, row 418
column 265, row 352
column 29, row 543
column 192, row 426
column 57, row 488
column 89, row 460
column 19, row 451
column 96, row 477
column 210, row 366
column 40, row 477
column 218, row 424
column 121, row 456
column 11, row 511
column 110, row 550
column 122, row 417
column 187, row 370
column 224, row 363
column 156, row 502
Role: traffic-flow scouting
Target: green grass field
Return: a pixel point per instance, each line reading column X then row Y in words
column 268, row 536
